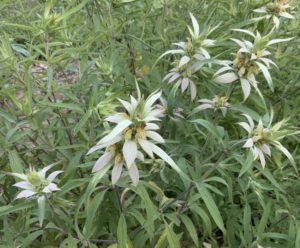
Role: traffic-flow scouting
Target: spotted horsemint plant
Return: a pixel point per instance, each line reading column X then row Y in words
column 134, row 135
column 217, row 103
column 194, row 55
column 262, row 138
column 250, row 60
column 275, row 10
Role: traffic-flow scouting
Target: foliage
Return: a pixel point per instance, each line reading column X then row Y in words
column 217, row 166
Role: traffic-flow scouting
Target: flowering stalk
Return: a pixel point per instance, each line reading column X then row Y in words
column 193, row 52
column 135, row 133
column 262, row 138
column 250, row 60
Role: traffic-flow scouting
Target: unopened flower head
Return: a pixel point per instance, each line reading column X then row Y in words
column 217, row 103
column 134, row 134
column 261, row 139
column 36, row 182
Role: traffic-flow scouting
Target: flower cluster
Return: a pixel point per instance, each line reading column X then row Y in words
column 261, row 139
column 134, row 135
column 250, row 60
column 275, row 10
column 194, row 55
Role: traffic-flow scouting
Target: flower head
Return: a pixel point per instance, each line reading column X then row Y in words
column 194, row 56
column 134, row 135
column 250, row 60
column 182, row 74
column 36, row 182
column 262, row 138
column 217, row 103
column 275, row 10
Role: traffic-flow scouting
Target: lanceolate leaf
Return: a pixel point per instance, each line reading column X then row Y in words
column 211, row 206
column 122, row 232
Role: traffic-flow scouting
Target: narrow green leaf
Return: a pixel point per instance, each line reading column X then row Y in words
column 15, row 162
column 190, row 228
column 122, row 232
column 210, row 127
column 264, row 219
column 172, row 237
column 211, row 206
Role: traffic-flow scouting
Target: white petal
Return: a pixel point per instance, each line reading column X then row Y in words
column 114, row 118
column 239, row 42
column 206, row 101
column 223, row 69
column 286, row 15
column 168, row 76
column 151, row 126
column 184, row 84
column 24, row 185
column 275, row 41
column 260, row 10
column 25, row 194
column 193, row 90
column 19, row 175
column 262, row 158
column 184, row 60
column 116, row 131
column 225, row 78
column 53, row 175
column 134, row 174
column 203, row 106
column 244, row 31
column 205, row 53
column 255, row 152
column 208, row 42
column 43, row 171
column 246, row 87
column 126, row 105
column 129, row 152
column 102, row 145
column 266, row 74
column 195, row 25
column 155, row 136
column 116, row 173
column 102, row 161
column 146, row 146
column 266, row 149
column 249, row 143
column 50, row 188
column 250, row 121
column 140, row 156
column 246, row 126
column 276, row 22
column 174, row 77
column 151, row 99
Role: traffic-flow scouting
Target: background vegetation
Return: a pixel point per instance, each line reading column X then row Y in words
column 63, row 66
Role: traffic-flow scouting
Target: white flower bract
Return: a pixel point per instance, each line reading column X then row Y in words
column 134, row 134
column 36, row 182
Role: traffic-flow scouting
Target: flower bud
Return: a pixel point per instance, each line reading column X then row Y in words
column 34, row 178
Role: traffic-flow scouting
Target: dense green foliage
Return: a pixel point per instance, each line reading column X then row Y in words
column 63, row 67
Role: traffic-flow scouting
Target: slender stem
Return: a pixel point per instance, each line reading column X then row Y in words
column 117, row 192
